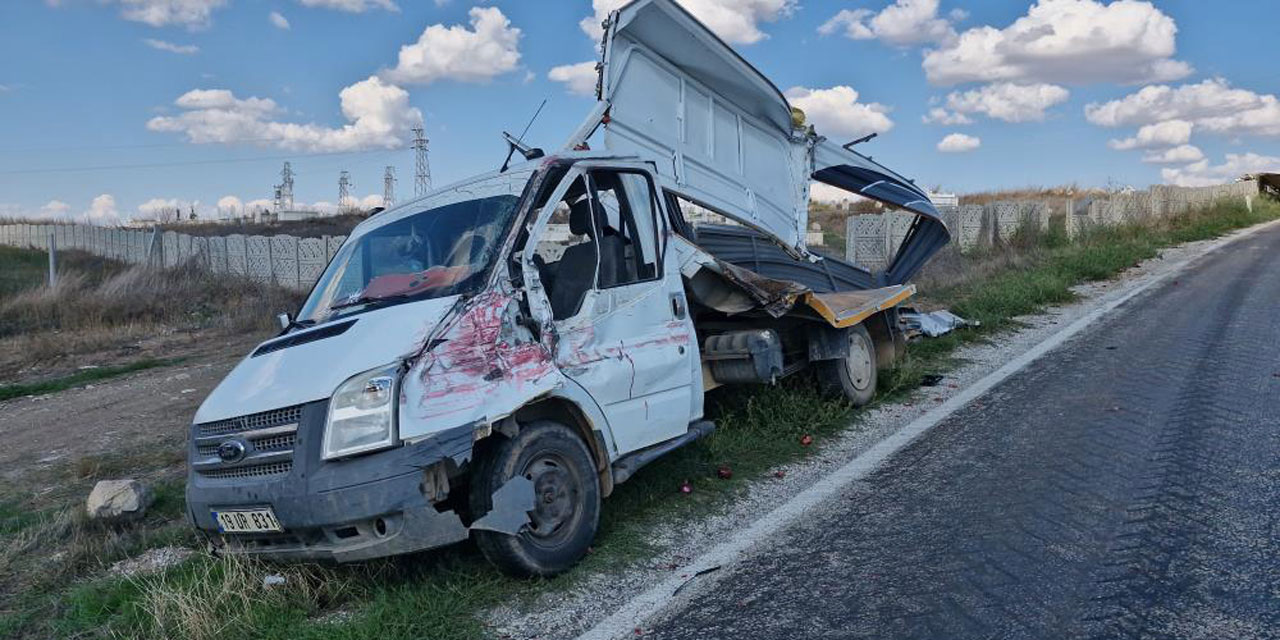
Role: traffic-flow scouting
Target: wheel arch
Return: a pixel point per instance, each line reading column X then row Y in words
column 572, row 414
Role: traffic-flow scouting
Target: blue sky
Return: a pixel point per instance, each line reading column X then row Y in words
column 152, row 102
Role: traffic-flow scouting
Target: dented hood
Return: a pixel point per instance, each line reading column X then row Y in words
column 321, row 358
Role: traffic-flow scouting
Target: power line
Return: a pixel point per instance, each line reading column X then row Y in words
column 188, row 163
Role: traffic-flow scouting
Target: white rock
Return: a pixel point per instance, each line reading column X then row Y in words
column 116, row 499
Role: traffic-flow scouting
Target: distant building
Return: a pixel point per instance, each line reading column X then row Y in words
column 944, row 199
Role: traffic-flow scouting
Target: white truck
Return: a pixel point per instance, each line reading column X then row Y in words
column 491, row 359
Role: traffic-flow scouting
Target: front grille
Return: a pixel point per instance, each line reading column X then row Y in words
column 268, row 440
column 254, row 471
column 269, row 443
column 274, row 418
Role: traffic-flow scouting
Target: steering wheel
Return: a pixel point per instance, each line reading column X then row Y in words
column 468, row 242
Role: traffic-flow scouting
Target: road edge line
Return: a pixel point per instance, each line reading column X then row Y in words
column 656, row 599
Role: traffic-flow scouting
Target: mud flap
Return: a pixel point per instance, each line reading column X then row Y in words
column 512, row 503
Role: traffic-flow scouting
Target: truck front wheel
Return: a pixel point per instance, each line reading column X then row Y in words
column 854, row 375
column 566, row 490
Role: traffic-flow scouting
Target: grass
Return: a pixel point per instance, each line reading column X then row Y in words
column 10, row 391
column 442, row 594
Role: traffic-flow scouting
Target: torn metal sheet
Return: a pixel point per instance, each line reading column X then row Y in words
column 932, row 323
column 512, row 503
column 846, row 308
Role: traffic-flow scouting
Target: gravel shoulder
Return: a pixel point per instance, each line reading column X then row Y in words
column 138, row 412
column 570, row 611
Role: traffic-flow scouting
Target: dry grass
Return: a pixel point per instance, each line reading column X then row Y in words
column 1033, row 193
column 185, row 297
column 338, row 225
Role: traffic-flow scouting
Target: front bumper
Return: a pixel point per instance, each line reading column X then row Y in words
column 360, row 508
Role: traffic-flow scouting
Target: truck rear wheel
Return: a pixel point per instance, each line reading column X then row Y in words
column 567, row 499
column 854, row 375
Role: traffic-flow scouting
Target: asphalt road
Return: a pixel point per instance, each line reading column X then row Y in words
column 1126, row 485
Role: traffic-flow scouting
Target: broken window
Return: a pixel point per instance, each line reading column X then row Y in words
column 566, row 253
column 628, row 234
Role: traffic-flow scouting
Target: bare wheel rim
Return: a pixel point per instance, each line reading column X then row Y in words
column 556, row 494
column 858, row 364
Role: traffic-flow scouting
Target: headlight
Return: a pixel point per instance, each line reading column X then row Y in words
column 362, row 413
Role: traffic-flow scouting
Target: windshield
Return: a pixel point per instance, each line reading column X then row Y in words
column 442, row 249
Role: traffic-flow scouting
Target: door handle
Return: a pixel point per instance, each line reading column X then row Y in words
column 677, row 306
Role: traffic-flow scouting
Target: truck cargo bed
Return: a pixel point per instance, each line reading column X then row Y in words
column 753, row 250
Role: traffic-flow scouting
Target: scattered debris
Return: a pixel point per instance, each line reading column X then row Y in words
column 806, row 440
column 685, row 487
column 118, row 499
column 930, row 380
column 695, row 576
column 724, row 472
column 779, row 474
column 933, row 323
column 151, row 561
column 272, row 580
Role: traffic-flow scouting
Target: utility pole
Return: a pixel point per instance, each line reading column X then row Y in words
column 389, row 188
column 344, row 189
column 422, row 170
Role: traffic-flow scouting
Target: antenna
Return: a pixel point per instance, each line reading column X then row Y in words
column 389, row 188
column 344, row 190
column 422, row 170
column 286, row 187
column 518, row 142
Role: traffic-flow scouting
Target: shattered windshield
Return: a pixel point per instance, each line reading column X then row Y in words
column 443, row 248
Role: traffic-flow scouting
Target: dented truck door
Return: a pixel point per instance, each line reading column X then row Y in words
column 617, row 318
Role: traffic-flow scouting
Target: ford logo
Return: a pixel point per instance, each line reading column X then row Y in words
column 231, row 451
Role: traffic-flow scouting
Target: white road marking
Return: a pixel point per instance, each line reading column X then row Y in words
column 648, row 604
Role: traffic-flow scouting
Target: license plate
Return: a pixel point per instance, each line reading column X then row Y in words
column 247, row 521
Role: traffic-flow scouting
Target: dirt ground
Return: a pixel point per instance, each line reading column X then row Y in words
column 150, row 409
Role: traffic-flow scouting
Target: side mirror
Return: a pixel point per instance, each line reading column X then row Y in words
column 285, row 320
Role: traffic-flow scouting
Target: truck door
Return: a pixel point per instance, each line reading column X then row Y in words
column 621, row 326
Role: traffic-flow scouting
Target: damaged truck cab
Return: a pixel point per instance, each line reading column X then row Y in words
column 489, row 360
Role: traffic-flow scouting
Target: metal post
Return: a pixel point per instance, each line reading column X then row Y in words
column 53, row 259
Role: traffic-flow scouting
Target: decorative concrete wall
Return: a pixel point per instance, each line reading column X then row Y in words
column 872, row 240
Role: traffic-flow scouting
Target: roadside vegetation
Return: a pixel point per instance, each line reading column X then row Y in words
column 106, row 316
column 54, row 564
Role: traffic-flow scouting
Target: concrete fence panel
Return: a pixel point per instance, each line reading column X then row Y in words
column 237, row 255
column 258, row 258
column 311, row 260
column 284, row 261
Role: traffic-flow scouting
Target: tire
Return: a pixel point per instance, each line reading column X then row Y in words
column 564, row 522
column 853, row 376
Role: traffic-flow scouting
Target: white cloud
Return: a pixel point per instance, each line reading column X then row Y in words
column 1161, row 134
column 378, row 114
column 1212, row 105
column 55, row 210
column 229, row 206
column 370, row 201
column 156, row 208
column 938, row 115
column 1201, row 174
column 278, row 20
column 903, row 23
column 1180, row 154
column 959, row 143
column 488, row 49
column 1065, row 41
column 351, row 6
column 579, row 79
column 193, row 14
column 182, row 49
column 836, row 112
column 1008, row 101
column 102, row 210
column 735, row 21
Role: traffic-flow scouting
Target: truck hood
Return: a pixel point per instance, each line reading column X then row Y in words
column 308, row 365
